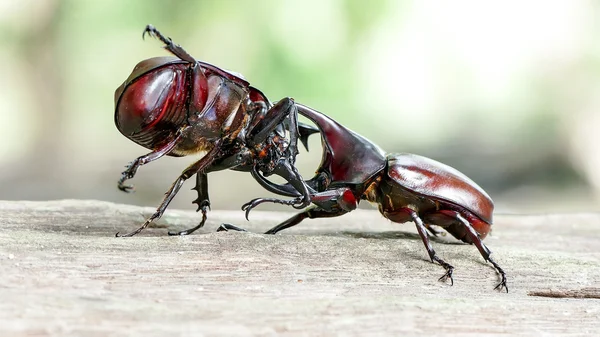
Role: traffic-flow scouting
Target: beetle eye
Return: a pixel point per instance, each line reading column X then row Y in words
column 145, row 101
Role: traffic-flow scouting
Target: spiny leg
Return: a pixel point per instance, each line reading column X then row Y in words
column 196, row 167
column 423, row 234
column 285, row 111
column 202, row 201
column 193, row 229
column 483, row 250
column 247, row 207
column 132, row 167
column 161, row 209
column 290, row 173
column 175, row 49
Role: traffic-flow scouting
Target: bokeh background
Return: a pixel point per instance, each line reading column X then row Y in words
column 507, row 92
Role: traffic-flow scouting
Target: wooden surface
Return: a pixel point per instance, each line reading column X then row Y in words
column 63, row 273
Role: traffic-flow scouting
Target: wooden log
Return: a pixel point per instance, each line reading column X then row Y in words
column 63, row 273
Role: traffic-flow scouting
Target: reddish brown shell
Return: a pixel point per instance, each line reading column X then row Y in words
column 436, row 180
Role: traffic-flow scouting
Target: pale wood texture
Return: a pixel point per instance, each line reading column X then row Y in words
column 63, row 273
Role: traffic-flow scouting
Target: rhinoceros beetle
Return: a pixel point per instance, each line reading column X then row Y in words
column 178, row 106
column 406, row 187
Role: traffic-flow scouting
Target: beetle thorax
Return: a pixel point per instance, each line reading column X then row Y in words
column 222, row 116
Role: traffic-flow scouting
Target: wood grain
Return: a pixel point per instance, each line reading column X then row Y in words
column 63, row 273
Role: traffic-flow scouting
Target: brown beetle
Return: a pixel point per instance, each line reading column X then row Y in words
column 406, row 187
column 178, row 106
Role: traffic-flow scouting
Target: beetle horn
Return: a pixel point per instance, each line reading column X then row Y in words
column 304, row 131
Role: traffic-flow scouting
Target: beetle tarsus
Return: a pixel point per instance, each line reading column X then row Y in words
column 153, row 32
column 132, row 167
column 449, row 270
column 175, row 49
column 129, row 173
column 483, row 250
column 296, row 202
column 154, row 216
column 502, row 283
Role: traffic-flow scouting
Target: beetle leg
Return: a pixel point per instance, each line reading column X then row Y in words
column 161, row 208
column 132, row 167
column 284, row 110
column 198, row 166
column 175, row 49
column 311, row 213
column 290, row 173
column 247, row 207
column 193, row 229
column 423, row 234
column 202, row 201
column 201, row 187
column 286, row 190
column 483, row 250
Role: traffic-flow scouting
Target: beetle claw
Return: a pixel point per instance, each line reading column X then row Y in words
column 447, row 276
column 148, row 30
column 449, row 269
column 250, row 205
column 502, row 284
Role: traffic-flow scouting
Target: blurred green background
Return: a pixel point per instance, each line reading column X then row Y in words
column 507, row 92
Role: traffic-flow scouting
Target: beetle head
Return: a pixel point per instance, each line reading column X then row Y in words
column 153, row 103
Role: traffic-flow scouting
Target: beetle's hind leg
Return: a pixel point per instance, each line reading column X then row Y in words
column 483, row 249
column 422, row 229
column 175, row 49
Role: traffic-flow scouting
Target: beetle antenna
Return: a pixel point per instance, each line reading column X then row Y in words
column 175, row 49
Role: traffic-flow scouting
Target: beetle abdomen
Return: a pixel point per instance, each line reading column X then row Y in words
column 152, row 106
column 430, row 178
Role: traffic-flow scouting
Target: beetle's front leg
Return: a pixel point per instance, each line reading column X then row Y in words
column 290, row 173
column 311, row 213
column 284, row 111
column 132, row 167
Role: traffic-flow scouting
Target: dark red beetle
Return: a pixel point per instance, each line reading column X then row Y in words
column 406, row 187
column 177, row 106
